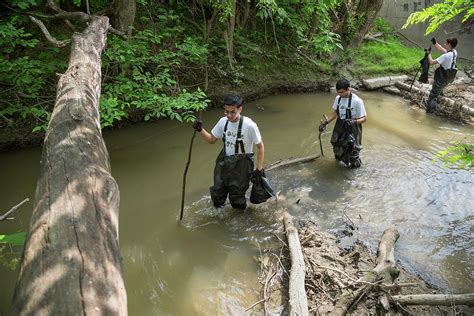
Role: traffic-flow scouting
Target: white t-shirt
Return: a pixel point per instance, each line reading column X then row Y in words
column 250, row 134
column 446, row 59
column 357, row 107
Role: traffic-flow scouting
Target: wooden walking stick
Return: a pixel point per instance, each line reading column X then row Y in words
column 321, row 144
column 186, row 170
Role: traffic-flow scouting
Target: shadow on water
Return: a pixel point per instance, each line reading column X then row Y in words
column 206, row 264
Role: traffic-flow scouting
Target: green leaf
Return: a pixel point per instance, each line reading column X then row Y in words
column 16, row 239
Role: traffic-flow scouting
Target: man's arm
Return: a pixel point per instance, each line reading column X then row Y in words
column 208, row 137
column 431, row 60
column 332, row 117
column 360, row 120
column 260, row 155
column 440, row 48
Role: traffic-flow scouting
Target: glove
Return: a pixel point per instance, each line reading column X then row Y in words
column 433, row 40
column 197, row 125
column 349, row 122
column 257, row 176
column 322, row 126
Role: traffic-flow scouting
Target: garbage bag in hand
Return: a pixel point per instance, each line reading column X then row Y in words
column 262, row 190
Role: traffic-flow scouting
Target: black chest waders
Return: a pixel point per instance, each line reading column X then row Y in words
column 346, row 138
column 232, row 173
column 442, row 77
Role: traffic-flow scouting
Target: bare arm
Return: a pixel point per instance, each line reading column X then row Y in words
column 431, row 60
column 440, row 48
column 332, row 117
column 208, row 137
column 260, row 155
column 361, row 120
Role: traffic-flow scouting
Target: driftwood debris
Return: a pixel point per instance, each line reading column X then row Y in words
column 386, row 268
column 442, row 100
column 71, row 263
column 297, row 293
column 5, row 216
column 291, row 161
column 435, row 299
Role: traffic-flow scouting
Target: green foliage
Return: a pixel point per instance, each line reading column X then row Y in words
column 392, row 57
column 23, row 4
column 380, row 25
column 458, row 155
column 24, row 68
column 16, row 239
column 11, row 240
column 439, row 13
column 148, row 79
column 4, row 261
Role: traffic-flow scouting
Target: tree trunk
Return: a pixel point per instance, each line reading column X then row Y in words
column 297, row 293
column 229, row 34
column 368, row 10
column 71, row 264
column 124, row 15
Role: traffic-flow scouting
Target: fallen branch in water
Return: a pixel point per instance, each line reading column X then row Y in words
column 297, row 294
column 291, row 161
column 435, row 299
column 4, row 216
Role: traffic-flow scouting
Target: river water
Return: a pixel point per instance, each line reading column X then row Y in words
column 206, row 265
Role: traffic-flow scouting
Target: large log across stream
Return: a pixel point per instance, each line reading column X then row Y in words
column 71, row 263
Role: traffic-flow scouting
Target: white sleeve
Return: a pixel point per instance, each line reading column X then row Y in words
column 334, row 105
column 255, row 134
column 441, row 59
column 218, row 130
column 360, row 111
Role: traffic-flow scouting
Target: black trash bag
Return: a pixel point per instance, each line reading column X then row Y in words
column 425, row 67
column 262, row 190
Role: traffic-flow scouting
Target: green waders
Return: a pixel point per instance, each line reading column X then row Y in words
column 347, row 138
column 232, row 174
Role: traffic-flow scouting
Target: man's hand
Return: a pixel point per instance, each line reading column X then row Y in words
column 257, row 176
column 350, row 122
column 197, row 125
column 322, row 126
column 433, row 40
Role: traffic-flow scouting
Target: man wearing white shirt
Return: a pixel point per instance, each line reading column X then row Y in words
column 446, row 71
column 349, row 112
column 234, row 165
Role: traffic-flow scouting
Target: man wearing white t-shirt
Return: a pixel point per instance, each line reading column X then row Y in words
column 234, row 165
column 446, row 71
column 349, row 110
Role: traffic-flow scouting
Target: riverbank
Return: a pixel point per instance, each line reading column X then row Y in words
column 341, row 275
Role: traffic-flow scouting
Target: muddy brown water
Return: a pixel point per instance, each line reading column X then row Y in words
column 206, row 265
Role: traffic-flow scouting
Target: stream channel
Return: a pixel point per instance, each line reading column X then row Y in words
column 207, row 264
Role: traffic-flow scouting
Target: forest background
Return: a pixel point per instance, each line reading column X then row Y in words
column 169, row 59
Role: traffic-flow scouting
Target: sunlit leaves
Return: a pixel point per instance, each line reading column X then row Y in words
column 458, row 155
column 439, row 13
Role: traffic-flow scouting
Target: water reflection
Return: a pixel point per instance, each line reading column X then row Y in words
column 206, row 264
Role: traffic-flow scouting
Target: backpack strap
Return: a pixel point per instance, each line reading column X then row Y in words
column 238, row 140
column 454, row 56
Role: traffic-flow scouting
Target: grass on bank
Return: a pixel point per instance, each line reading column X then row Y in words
column 388, row 57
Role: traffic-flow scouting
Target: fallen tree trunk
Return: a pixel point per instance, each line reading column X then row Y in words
column 385, row 267
column 71, row 264
column 297, row 294
column 291, row 161
column 435, row 299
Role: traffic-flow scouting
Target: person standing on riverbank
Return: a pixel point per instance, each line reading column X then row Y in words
column 234, row 164
column 349, row 112
column 445, row 73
